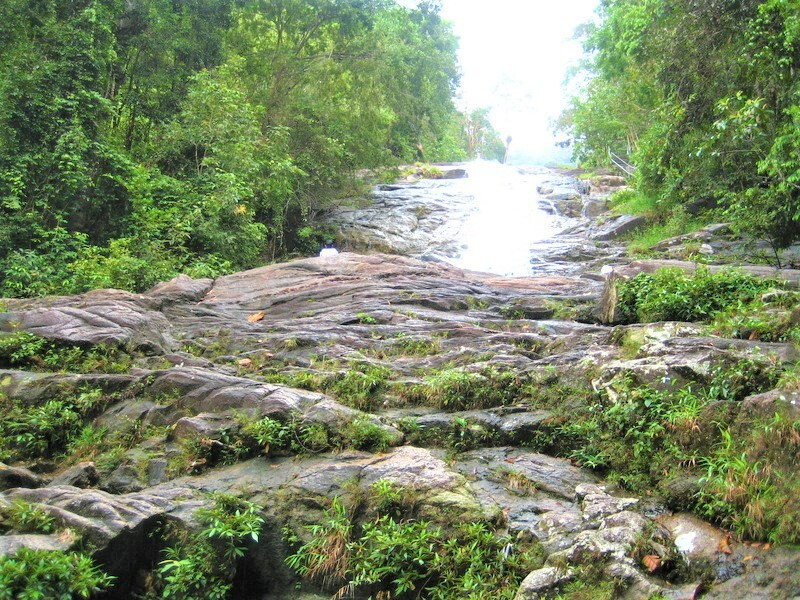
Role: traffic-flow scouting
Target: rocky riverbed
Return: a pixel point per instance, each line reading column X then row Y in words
column 447, row 382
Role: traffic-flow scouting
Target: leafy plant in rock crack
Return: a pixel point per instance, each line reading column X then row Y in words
column 22, row 516
column 203, row 564
column 401, row 557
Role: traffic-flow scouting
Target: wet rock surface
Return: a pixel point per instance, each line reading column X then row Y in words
column 375, row 331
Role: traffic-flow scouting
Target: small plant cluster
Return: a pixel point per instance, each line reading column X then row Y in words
column 23, row 350
column 366, row 318
column 47, row 429
column 401, row 557
column 359, row 387
column 25, row 517
column 273, row 437
column 750, row 480
column 296, row 437
column 204, row 564
column 457, row 389
column 674, row 295
column 460, row 435
column 30, row 574
column 409, row 346
column 767, row 318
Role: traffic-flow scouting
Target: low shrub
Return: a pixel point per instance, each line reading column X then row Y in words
column 457, row 389
column 25, row 517
column 50, row 574
column 45, row 430
column 406, row 558
column 674, row 295
column 23, row 350
column 204, row 564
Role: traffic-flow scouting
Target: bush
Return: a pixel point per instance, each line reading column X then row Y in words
column 24, row 517
column 456, row 389
column 23, row 350
column 674, row 295
column 405, row 558
column 30, row 574
column 44, row 430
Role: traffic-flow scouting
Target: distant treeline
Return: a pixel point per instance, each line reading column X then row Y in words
column 142, row 138
column 705, row 96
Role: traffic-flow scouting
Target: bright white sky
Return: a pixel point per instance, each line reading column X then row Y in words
column 515, row 55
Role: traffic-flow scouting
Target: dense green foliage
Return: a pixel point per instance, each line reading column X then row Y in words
column 23, row 350
column 30, row 574
column 24, row 517
column 139, row 139
column 704, row 96
column 398, row 556
column 674, row 295
column 46, row 428
column 738, row 467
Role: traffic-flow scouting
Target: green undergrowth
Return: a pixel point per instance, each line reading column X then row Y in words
column 409, row 346
column 203, row 564
column 674, row 295
column 390, row 553
column 49, row 428
column 634, row 431
column 641, row 241
column 643, row 437
column 457, row 389
column 460, row 435
column 23, row 350
column 32, row 574
column 273, row 437
column 632, row 202
column 767, row 317
column 21, row 516
column 360, row 387
column 750, row 479
column 663, row 221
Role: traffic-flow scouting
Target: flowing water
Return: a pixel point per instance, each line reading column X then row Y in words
column 494, row 220
column 506, row 220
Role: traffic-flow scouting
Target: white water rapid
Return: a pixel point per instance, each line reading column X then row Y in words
column 498, row 219
column 505, row 219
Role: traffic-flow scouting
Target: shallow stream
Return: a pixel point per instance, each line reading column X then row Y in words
column 506, row 220
column 498, row 219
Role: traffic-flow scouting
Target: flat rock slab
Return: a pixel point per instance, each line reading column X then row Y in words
column 108, row 317
column 348, row 276
column 11, row 544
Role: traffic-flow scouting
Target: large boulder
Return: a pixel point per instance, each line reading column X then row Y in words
column 618, row 226
column 107, row 317
column 13, row 477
